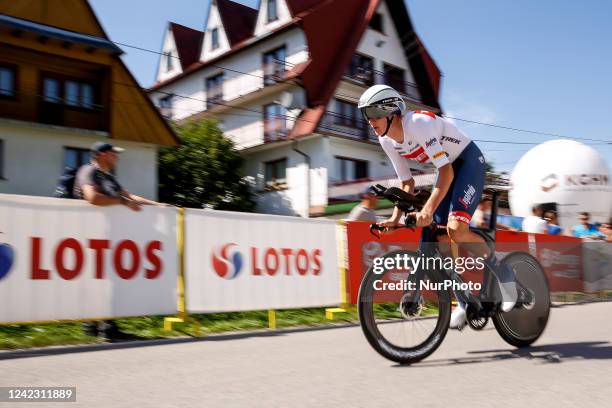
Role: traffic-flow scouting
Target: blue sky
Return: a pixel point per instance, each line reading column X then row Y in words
column 541, row 65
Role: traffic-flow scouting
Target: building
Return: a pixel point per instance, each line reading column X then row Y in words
column 63, row 87
column 284, row 81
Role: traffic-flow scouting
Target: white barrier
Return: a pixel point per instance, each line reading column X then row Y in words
column 66, row 259
column 238, row 261
column 597, row 264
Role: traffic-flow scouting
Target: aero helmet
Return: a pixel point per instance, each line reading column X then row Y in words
column 381, row 101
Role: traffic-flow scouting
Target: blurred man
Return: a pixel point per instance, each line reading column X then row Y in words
column 365, row 210
column 553, row 225
column 606, row 230
column 535, row 223
column 482, row 215
column 96, row 184
column 584, row 229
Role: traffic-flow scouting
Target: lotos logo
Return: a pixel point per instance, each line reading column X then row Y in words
column 7, row 256
column 227, row 262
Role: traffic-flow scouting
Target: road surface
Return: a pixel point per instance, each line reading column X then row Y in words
column 571, row 365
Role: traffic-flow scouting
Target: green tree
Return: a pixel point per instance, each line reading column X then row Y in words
column 204, row 171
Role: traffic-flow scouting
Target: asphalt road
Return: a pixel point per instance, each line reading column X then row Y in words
column 571, row 365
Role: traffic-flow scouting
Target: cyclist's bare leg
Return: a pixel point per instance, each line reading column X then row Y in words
column 461, row 238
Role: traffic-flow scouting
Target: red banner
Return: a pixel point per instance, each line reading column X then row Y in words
column 560, row 256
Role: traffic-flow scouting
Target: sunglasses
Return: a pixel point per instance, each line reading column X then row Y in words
column 377, row 112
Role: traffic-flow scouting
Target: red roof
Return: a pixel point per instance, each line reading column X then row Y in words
column 188, row 43
column 333, row 29
column 238, row 20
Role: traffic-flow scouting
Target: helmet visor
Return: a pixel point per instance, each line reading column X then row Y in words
column 378, row 111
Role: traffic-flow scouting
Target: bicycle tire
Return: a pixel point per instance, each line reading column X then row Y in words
column 402, row 355
column 508, row 324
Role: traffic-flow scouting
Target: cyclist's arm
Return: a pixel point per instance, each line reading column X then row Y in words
column 445, row 178
column 407, row 186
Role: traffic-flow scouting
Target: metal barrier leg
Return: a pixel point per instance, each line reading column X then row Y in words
column 345, row 307
column 272, row 319
column 181, row 304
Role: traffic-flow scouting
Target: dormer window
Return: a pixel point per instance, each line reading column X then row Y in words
column 214, row 38
column 376, row 23
column 272, row 11
column 169, row 61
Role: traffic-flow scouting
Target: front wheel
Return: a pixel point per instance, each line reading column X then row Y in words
column 524, row 324
column 401, row 323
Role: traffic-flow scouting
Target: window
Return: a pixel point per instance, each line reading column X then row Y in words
column 51, row 90
column 169, row 61
column 274, row 122
column 275, row 172
column 347, row 114
column 75, row 157
column 71, row 93
column 214, row 90
column 75, row 93
column 376, row 23
column 7, row 81
column 394, row 77
column 165, row 106
column 274, row 66
column 350, row 169
column 79, row 94
column 214, row 38
column 1, row 159
column 361, row 69
column 272, row 11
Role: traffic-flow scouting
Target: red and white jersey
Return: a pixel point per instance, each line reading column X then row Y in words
column 428, row 138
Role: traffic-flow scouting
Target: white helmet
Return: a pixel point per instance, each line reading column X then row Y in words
column 380, row 101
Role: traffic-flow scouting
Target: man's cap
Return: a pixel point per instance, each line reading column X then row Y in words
column 367, row 192
column 101, row 147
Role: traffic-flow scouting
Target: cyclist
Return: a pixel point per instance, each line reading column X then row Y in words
column 424, row 137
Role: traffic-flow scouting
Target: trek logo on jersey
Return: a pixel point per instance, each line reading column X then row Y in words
column 430, row 142
column 468, row 196
column 450, row 140
column 227, row 261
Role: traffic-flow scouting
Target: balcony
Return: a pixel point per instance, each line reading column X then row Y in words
column 352, row 127
column 368, row 77
column 274, row 71
column 29, row 107
column 214, row 97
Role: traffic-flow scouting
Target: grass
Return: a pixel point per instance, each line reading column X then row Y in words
column 152, row 327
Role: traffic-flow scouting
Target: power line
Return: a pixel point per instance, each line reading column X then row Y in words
column 286, row 117
column 526, row 130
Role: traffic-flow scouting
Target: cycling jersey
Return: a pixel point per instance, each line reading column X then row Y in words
column 431, row 139
column 428, row 138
